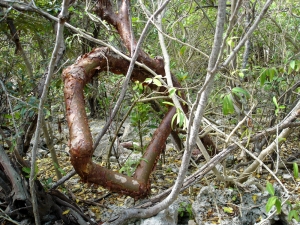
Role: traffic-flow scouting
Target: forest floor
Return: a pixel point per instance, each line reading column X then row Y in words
column 99, row 204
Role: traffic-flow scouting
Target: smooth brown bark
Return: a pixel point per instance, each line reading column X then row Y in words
column 81, row 143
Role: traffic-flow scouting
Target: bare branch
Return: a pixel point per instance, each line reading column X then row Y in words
column 59, row 40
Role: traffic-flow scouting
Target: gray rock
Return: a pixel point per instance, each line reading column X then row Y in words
column 103, row 147
column 287, row 176
column 129, row 133
column 168, row 216
column 219, row 167
column 41, row 152
column 247, row 211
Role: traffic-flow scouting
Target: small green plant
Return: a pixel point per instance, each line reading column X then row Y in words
column 295, row 170
column 47, row 183
column 60, row 169
column 141, row 117
column 130, row 166
column 268, row 75
column 27, row 170
column 169, row 170
column 278, row 107
column 240, row 93
column 275, row 201
column 155, row 80
column 185, row 208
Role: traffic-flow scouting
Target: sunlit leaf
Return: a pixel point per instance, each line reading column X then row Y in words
column 182, row 50
column 293, row 214
column 270, row 188
column 275, row 101
column 157, row 82
column 173, row 118
column 66, row 212
column 172, row 91
column 227, row 105
column 148, row 80
column 271, row 202
column 230, row 42
column 168, row 103
column 7, row 116
column 293, row 64
column 278, row 206
column 228, row 209
column 295, row 170
column 239, row 90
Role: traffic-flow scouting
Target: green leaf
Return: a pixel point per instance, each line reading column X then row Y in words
column 178, row 117
column 239, row 90
column 293, row 214
column 230, row 42
column 134, row 19
column 174, row 117
column 172, row 91
column 17, row 107
column 227, row 105
column 263, row 77
column 17, row 115
column 293, row 64
column 275, row 102
column 295, row 170
column 135, row 87
column 47, row 113
column 270, row 188
column 26, row 170
column 140, row 86
column 62, row 171
column 182, row 50
column 157, row 82
column 228, row 210
column 278, row 206
column 148, row 80
column 271, row 202
column 281, row 107
column 272, row 72
column 181, row 119
column 7, row 116
column 241, row 75
column 281, row 140
column 168, row 103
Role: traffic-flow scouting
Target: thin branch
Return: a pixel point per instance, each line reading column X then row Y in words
column 25, row 7
column 239, row 124
column 59, row 40
column 64, row 179
column 199, row 174
column 128, row 75
column 205, row 14
column 248, row 34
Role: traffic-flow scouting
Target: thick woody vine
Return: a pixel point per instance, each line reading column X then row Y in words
column 81, row 143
